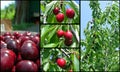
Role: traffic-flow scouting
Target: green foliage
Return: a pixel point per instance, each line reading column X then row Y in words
column 8, row 12
column 47, row 11
column 102, row 39
column 22, row 26
column 49, row 37
column 49, row 57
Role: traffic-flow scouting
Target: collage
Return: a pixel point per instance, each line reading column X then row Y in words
column 60, row 36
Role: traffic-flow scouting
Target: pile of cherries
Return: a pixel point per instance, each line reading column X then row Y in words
column 60, row 16
column 67, row 35
column 19, row 52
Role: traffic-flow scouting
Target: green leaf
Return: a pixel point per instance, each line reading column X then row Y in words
column 46, row 66
column 50, row 45
column 75, row 63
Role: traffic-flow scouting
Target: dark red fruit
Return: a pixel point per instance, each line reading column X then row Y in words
column 27, row 34
column 35, row 39
column 19, row 58
column 70, row 13
column 60, row 33
column 26, row 66
column 13, row 45
column 7, row 34
column 22, row 39
column 38, row 63
column 7, row 60
column 60, row 17
column 61, row 62
column 3, row 44
column 13, row 69
column 10, row 52
column 1, row 38
column 56, row 10
column 68, row 35
column 68, row 42
column 29, row 50
column 16, row 34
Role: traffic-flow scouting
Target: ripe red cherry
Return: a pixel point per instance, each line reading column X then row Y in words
column 61, row 62
column 56, row 10
column 68, row 35
column 60, row 17
column 29, row 50
column 70, row 13
column 3, row 44
column 68, row 42
column 60, row 33
column 7, row 60
column 26, row 66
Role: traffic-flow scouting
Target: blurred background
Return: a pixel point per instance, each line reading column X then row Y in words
column 20, row 15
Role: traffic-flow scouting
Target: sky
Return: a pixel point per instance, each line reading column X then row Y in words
column 5, row 3
column 86, row 14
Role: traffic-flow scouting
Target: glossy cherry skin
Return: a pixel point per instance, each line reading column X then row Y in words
column 60, row 33
column 68, row 42
column 70, row 13
column 7, row 60
column 35, row 39
column 26, row 66
column 60, row 17
column 3, row 44
column 61, row 62
column 56, row 10
column 13, row 45
column 68, row 35
column 29, row 50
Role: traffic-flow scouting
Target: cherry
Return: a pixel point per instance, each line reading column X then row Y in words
column 68, row 42
column 29, row 50
column 60, row 33
column 13, row 45
column 7, row 60
column 35, row 39
column 70, row 13
column 26, row 66
column 3, row 44
column 60, row 17
column 61, row 62
column 68, row 35
column 56, row 10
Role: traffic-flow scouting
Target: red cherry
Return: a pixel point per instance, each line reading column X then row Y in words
column 60, row 17
column 68, row 42
column 60, row 33
column 68, row 35
column 61, row 62
column 56, row 10
column 26, row 66
column 70, row 13
column 8, row 58
column 29, row 50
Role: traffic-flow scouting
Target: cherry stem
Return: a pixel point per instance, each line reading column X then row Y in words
column 65, row 53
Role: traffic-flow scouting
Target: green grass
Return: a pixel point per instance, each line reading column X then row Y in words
column 23, row 26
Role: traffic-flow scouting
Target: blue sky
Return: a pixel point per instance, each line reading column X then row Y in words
column 5, row 3
column 86, row 14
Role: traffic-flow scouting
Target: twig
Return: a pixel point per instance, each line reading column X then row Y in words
column 65, row 53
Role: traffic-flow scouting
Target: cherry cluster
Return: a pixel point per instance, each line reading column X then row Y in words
column 19, row 52
column 60, row 16
column 67, row 35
